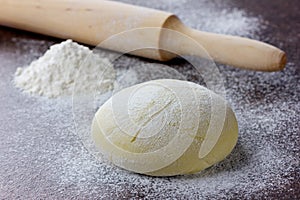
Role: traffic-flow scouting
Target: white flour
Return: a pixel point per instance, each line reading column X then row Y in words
column 63, row 66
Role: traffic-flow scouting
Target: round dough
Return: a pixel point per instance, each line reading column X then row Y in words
column 165, row 127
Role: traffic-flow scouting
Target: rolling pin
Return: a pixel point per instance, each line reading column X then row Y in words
column 93, row 21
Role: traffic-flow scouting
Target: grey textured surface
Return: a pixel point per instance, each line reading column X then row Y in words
column 42, row 157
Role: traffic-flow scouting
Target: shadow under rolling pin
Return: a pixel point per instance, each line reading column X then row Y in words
column 93, row 21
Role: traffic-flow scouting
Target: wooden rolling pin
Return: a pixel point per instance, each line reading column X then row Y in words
column 93, row 21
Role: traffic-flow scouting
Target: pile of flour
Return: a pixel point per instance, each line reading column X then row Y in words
column 65, row 69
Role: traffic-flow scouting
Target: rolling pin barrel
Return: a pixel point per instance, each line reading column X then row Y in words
column 90, row 22
column 93, row 21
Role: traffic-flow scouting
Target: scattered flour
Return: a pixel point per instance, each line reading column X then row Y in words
column 262, row 162
column 207, row 15
column 61, row 67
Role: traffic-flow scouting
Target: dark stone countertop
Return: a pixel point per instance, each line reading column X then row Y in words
column 36, row 134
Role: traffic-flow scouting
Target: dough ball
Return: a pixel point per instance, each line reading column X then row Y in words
column 165, row 127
